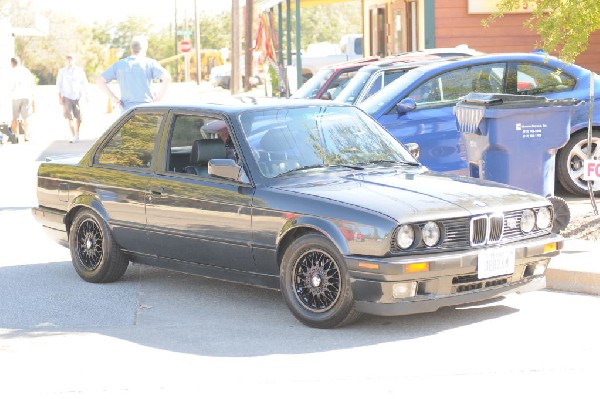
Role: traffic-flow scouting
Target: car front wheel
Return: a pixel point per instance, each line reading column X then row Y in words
column 315, row 283
column 96, row 256
column 569, row 163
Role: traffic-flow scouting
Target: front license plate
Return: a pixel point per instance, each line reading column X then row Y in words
column 495, row 262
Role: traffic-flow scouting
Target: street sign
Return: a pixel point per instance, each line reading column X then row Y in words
column 184, row 32
column 591, row 170
column 185, row 46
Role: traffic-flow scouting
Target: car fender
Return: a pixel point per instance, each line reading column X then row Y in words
column 326, row 227
column 85, row 201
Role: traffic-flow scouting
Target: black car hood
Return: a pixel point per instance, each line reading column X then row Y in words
column 400, row 194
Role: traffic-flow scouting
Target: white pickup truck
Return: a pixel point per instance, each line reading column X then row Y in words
column 320, row 54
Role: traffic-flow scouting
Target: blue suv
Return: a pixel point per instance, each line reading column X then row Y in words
column 434, row 89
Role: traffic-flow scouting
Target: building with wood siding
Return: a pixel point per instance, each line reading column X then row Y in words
column 395, row 26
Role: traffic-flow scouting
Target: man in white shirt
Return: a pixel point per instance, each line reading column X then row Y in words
column 22, row 96
column 72, row 87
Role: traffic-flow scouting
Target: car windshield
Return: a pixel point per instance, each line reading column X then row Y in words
column 390, row 92
column 355, row 86
column 311, row 88
column 368, row 82
column 317, row 138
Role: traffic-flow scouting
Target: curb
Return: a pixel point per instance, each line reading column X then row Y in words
column 576, row 269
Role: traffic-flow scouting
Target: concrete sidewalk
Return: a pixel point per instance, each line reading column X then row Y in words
column 576, row 269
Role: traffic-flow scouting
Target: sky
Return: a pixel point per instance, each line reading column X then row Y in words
column 160, row 12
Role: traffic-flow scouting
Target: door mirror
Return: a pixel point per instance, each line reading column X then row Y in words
column 406, row 105
column 414, row 149
column 227, row 169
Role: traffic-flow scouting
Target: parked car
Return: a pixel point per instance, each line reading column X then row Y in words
column 436, row 88
column 220, row 75
column 318, row 55
column 311, row 197
column 330, row 80
column 375, row 76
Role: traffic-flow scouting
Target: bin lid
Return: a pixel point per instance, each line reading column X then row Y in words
column 499, row 100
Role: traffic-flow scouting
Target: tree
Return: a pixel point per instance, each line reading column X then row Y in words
column 564, row 26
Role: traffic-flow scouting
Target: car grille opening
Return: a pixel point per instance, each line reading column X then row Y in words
column 470, row 282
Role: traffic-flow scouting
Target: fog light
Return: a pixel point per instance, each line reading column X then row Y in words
column 404, row 290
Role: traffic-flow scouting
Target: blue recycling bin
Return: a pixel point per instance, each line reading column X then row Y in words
column 513, row 139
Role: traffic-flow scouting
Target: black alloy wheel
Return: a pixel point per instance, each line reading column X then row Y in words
column 316, row 279
column 89, row 244
column 315, row 283
column 96, row 256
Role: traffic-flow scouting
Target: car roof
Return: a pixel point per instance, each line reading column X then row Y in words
column 235, row 105
column 536, row 56
column 353, row 63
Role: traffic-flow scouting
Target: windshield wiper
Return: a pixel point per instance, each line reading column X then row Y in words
column 387, row 161
column 322, row 165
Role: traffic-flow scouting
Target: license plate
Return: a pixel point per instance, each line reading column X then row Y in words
column 495, row 262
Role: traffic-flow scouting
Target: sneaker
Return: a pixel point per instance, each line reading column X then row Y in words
column 75, row 139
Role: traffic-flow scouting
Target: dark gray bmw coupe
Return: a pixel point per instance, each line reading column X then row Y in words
column 313, row 198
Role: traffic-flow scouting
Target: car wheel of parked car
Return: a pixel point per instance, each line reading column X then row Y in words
column 96, row 256
column 315, row 283
column 569, row 165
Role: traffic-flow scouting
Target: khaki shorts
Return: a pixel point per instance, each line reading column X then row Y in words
column 71, row 108
column 21, row 107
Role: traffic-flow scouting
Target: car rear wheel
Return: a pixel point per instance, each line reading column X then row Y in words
column 569, row 163
column 96, row 256
column 315, row 283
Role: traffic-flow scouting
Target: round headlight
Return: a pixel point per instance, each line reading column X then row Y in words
column 544, row 218
column 431, row 234
column 406, row 236
column 527, row 221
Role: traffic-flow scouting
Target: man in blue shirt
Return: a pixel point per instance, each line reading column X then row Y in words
column 135, row 75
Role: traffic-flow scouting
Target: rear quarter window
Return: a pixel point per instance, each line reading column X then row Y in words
column 133, row 144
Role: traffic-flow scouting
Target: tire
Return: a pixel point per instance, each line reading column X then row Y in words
column 315, row 283
column 96, row 256
column 569, row 163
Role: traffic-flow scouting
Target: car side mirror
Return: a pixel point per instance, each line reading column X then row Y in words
column 414, row 149
column 227, row 169
column 406, row 105
column 326, row 96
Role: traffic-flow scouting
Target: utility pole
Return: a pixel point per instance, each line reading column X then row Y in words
column 248, row 45
column 197, row 44
column 234, row 85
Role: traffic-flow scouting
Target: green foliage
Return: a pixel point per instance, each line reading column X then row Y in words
column 97, row 45
column 564, row 26
column 326, row 23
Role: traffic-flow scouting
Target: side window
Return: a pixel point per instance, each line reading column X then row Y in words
column 449, row 87
column 189, row 134
column 133, row 144
column 538, row 79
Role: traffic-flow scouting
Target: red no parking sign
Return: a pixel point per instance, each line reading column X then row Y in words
column 185, row 46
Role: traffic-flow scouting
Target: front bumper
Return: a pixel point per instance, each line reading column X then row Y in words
column 451, row 279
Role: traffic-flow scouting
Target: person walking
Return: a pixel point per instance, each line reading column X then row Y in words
column 134, row 75
column 22, row 83
column 72, row 87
